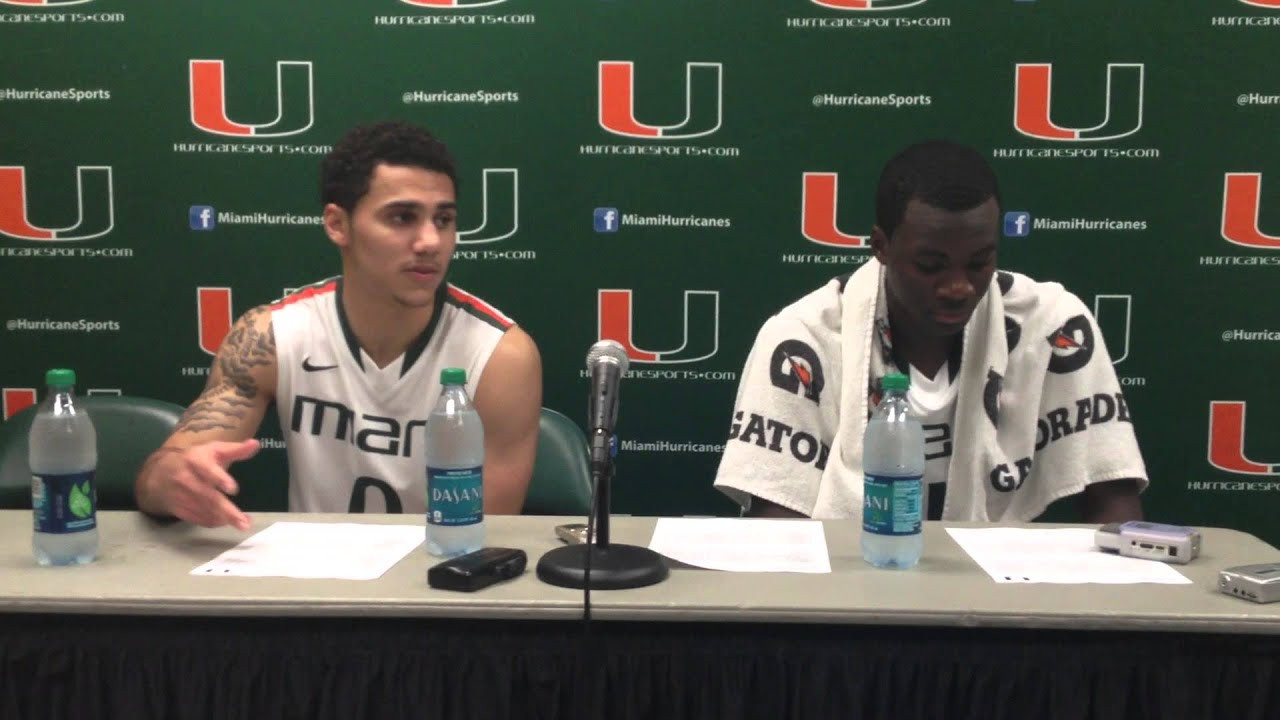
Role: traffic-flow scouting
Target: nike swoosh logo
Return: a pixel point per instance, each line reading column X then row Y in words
column 306, row 365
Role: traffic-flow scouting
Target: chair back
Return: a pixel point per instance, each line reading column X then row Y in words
column 129, row 429
column 561, row 483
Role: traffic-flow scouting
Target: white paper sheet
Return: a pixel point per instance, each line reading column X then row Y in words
column 340, row 551
column 1062, row 555
column 744, row 545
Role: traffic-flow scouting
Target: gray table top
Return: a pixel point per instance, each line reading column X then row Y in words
column 143, row 569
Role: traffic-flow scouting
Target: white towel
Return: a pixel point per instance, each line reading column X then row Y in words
column 1039, row 412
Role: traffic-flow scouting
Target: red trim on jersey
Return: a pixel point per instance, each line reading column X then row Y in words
column 304, row 294
column 481, row 306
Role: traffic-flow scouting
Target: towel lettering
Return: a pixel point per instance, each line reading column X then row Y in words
column 1061, row 422
column 771, row 435
column 1003, row 480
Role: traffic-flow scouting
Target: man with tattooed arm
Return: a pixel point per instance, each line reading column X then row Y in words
column 353, row 363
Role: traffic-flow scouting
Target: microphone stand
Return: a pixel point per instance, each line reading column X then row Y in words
column 614, row 566
column 601, row 483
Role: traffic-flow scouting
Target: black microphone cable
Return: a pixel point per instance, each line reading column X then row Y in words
column 587, row 664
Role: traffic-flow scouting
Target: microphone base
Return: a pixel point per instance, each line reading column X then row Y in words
column 616, row 567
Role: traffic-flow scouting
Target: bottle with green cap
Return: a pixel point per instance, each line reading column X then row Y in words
column 893, row 468
column 62, row 454
column 455, row 470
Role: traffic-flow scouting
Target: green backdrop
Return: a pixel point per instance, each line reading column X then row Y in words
column 663, row 172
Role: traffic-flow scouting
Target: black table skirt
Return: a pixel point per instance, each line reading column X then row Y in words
column 134, row 668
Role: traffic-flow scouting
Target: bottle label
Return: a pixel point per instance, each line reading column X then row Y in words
column 891, row 504
column 64, row 504
column 455, row 496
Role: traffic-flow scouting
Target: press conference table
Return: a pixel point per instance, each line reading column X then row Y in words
column 134, row 635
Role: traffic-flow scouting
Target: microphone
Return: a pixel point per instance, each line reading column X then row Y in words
column 607, row 362
column 600, row 564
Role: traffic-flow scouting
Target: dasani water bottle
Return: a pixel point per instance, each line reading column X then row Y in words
column 455, row 470
column 893, row 465
column 63, row 457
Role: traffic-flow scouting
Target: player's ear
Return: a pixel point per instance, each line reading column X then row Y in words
column 879, row 244
column 337, row 225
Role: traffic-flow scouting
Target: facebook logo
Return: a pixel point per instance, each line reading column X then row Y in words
column 606, row 220
column 1017, row 224
column 202, row 217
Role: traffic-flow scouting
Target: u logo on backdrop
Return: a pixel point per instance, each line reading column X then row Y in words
column 1241, row 202
column 704, row 86
column 95, row 206
column 1122, row 105
column 1226, row 440
column 295, row 100
column 819, row 198
column 700, row 334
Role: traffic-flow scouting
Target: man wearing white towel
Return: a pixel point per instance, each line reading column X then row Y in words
column 1011, row 379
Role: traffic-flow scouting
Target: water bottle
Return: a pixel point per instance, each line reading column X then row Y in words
column 455, row 470
column 63, row 456
column 893, row 465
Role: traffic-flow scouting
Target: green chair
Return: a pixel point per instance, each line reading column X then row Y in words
column 129, row 429
column 561, row 482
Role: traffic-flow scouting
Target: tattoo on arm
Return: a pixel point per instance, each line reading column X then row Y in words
column 231, row 390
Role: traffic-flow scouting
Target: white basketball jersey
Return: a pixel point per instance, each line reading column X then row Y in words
column 354, row 431
column 933, row 402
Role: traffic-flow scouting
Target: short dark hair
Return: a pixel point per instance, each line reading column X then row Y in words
column 345, row 172
column 941, row 173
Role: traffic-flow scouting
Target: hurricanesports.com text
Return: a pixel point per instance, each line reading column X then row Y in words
column 866, row 23
column 462, row 254
column 81, row 325
column 1240, row 260
column 662, row 374
column 1245, row 20
column 824, row 259
column 668, row 150
column 513, row 19
column 73, row 18
column 65, row 252
column 251, row 148
column 1235, row 485
column 1075, row 153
